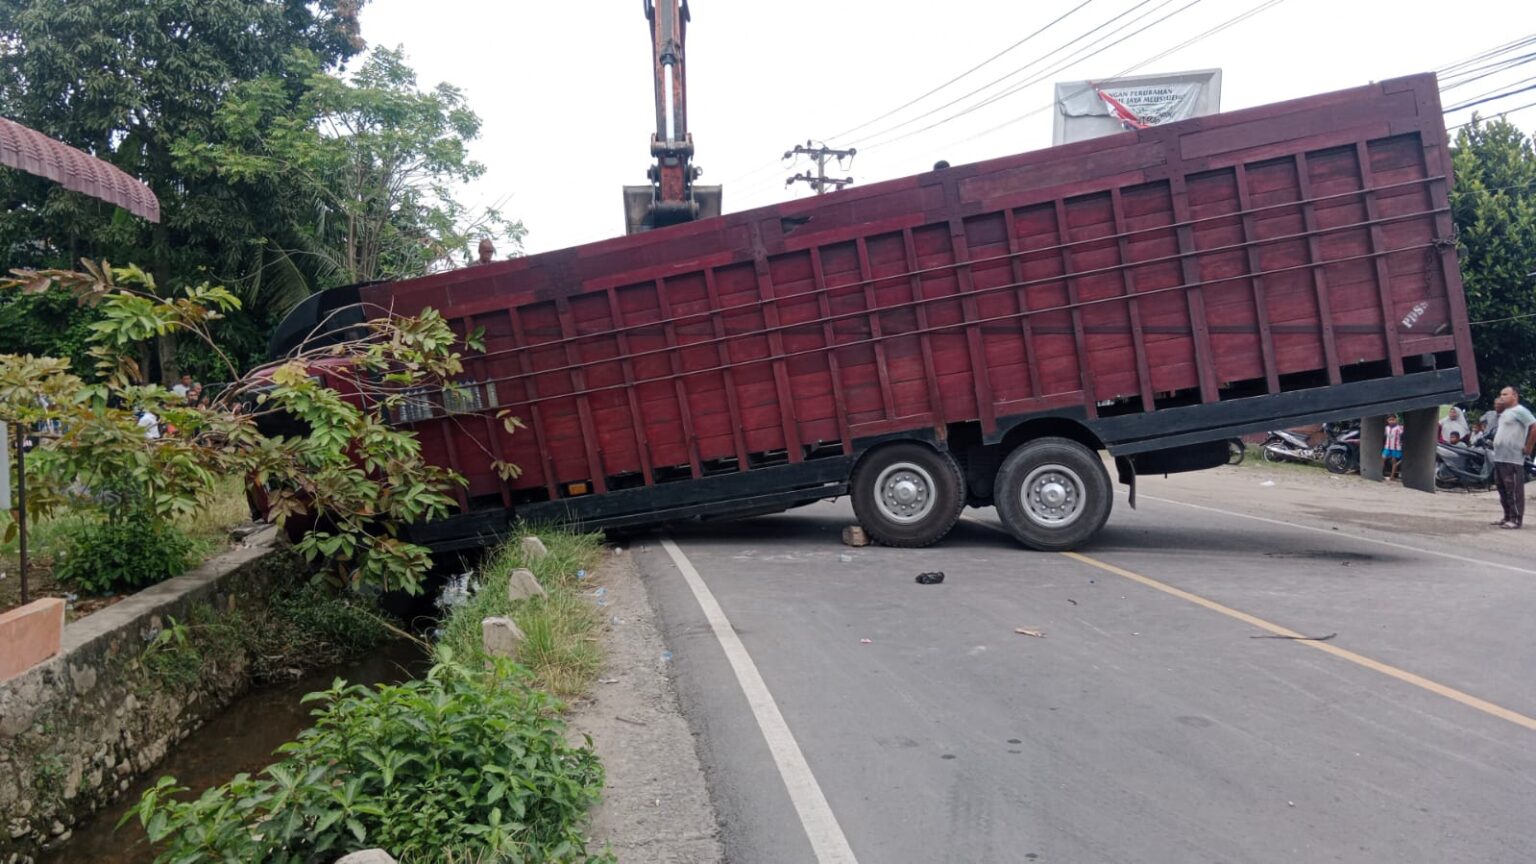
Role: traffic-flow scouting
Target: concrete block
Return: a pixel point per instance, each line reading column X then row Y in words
column 854, row 535
column 534, row 549
column 522, row 585
column 367, row 856
column 29, row 635
column 500, row 636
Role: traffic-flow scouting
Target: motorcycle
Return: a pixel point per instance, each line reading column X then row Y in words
column 1459, row 466
column 1283, row 445
column 1343, row 455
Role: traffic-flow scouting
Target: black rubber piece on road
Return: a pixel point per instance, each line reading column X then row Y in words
column 1097, row 493
column 948, row 495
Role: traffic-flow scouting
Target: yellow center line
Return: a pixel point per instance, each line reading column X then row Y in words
column 1403, row 675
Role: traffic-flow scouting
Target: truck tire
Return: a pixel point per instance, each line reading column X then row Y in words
column 1053, row 494
column 907, row 495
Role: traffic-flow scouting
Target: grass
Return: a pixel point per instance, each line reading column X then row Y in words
column 561, row 649
column 47, row 538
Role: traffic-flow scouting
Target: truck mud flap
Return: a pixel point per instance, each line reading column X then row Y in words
column 1127, row 471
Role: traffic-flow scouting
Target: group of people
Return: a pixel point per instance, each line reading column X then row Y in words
column 189, row 390
column 1508, row 430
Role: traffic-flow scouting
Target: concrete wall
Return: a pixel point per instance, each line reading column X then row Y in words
column 78, row 729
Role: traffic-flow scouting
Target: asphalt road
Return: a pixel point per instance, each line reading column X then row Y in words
column 1156, row 720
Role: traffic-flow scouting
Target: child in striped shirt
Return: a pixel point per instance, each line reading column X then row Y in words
column 1392, row 449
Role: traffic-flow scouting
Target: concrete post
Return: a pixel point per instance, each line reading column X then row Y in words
column 1373, row 433
column 1420, row 431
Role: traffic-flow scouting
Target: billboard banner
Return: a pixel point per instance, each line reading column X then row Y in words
column 1089, row 109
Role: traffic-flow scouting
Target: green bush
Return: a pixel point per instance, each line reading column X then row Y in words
column 312, row 626
column 123, row 554
column 462, row 763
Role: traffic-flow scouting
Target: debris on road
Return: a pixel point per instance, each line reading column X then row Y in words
column 607, row 680
column 866, row 641
column 1297, row 638
column 934, row 578
column 666, row 656
column 622, row 719
column 1028, row 631
column 1070, row 600
column 1267, row 483
column 854, row 535
column 845, row 557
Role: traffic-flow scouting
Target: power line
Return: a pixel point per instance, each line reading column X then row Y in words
column 962, row 75
column 1461, row 65
column 1465, row 105
column 1504, row 113
column 1514, row 64
column 1067, row 63
column 932, row 111
column 1485, row 54
column 1502, row 65
column 1496, row 89
column 1231, row 22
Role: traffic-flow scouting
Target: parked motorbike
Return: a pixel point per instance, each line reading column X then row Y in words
column 1343, row 455
column 1236, row 450
column 1457, row 466
column 1283, row 445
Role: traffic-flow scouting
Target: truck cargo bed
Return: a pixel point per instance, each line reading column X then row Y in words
column 1183, row 283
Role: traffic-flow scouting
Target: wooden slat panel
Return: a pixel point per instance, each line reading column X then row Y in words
column 1021, row 297
column 679, row 390
column 786, row 405
column 980, row 378
column 540, row 437
column 1084, row 366
column 583, row 403
column 1128, row 277
column 824, row 305
column 882, row 371
column 636, row 418
column 1260, row 300
column 1378, row 246
column 1319, row 278
column 1205, row 364
column 931, row 377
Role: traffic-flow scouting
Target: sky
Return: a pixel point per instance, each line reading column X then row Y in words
column 564, row 89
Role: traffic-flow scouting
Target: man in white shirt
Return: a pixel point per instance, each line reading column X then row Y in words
column 180, row 388
column 1513, row 440
column 150, row 424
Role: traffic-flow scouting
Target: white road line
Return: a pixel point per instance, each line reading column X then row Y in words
column 1351, row 535
column 821, row 827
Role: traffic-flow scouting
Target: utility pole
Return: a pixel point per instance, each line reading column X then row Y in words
column 821, row 154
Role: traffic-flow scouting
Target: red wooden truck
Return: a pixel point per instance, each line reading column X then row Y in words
column 971, row 336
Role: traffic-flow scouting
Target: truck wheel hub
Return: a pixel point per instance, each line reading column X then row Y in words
column 904, row 492
column 1052, row 496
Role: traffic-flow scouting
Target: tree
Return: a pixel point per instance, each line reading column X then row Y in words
column 375, row 160
column 349, row 479
column 125, row 80
column 1493, row 204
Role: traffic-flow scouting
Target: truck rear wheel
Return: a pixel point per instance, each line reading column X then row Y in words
column 907, row 495
column 1053, row 494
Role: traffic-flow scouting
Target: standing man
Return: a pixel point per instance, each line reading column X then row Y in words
column 1513, row 440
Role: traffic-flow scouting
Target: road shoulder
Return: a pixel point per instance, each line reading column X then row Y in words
column 656, row 805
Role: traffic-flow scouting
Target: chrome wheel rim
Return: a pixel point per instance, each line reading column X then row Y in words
column 904, row 493
column 1053, row 496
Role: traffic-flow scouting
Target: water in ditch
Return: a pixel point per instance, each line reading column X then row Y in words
column 241, row 738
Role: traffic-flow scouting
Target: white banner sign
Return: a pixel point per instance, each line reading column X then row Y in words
column 1153, row 104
